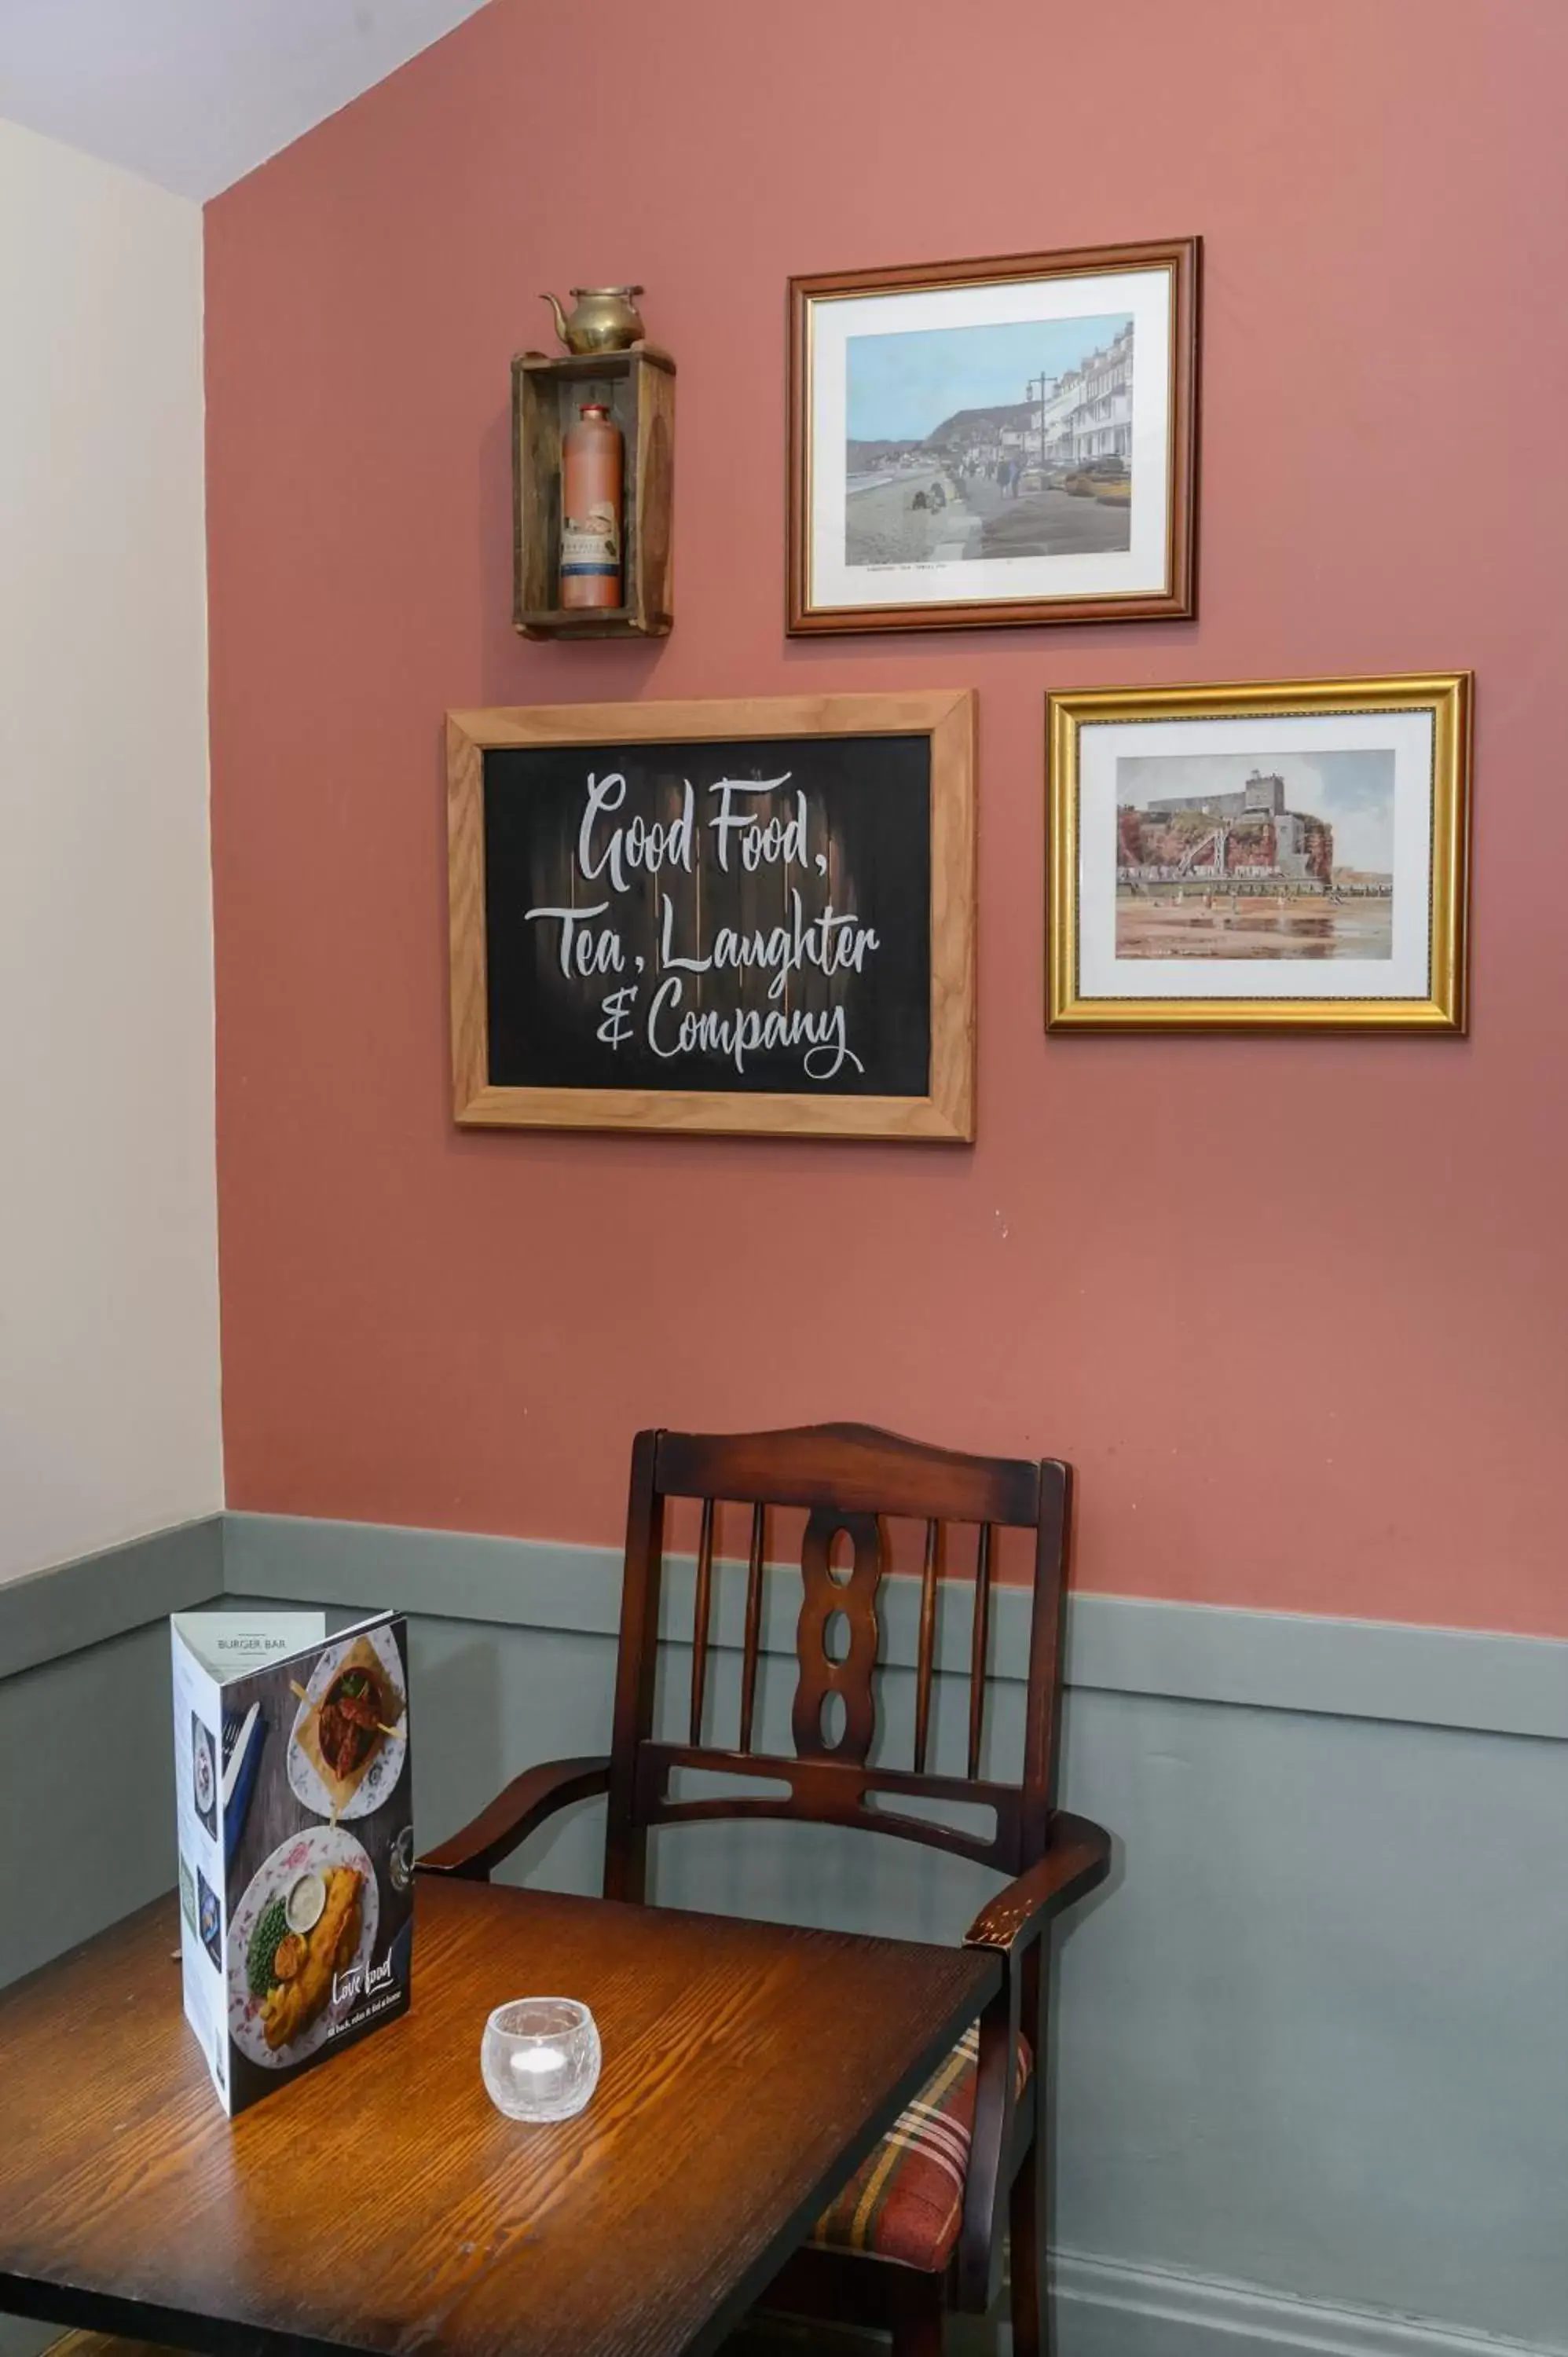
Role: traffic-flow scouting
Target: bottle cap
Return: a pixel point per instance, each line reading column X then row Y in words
column 594, row 409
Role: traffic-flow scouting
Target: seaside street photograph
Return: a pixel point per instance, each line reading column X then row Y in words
column 1217, row 855
column 1012, row 439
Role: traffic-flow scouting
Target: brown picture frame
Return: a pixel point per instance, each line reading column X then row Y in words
column 946, row 1111
column 1175, row 596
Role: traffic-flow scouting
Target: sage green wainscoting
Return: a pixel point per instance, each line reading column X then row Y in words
column 86, row 1752
column 86, row 1737
column 1312, row 2076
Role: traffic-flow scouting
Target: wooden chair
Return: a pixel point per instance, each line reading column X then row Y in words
column 847, row 1478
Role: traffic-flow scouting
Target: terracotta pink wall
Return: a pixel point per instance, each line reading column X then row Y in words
column 1295, row 1308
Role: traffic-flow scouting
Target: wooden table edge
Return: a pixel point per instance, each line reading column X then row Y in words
column 75, row 2308
column 758, row 2277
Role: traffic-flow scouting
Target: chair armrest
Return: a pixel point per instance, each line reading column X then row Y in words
column 513, row 1814
column 1077, row 1859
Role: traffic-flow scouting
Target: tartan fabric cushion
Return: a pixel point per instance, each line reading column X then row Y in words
column 906, row 2199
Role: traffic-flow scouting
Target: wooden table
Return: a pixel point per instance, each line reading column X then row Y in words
column 380, row 2204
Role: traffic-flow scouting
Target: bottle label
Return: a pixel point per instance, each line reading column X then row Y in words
column 590, row 544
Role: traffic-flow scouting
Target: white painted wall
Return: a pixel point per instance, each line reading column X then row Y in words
column 109, row 1371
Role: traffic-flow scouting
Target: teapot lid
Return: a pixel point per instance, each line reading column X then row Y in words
column 577, row 291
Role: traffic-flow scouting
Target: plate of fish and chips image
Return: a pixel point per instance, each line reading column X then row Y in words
column 351, row 1732
column 309, row 1917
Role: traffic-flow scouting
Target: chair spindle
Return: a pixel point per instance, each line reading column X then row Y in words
column 701, row 1618
column 977, row 1658
column 927, row 1644
column 752, row 1625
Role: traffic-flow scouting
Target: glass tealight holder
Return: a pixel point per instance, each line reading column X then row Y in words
column 540, row 2057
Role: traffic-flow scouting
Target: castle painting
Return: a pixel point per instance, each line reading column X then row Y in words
column 1284, row 856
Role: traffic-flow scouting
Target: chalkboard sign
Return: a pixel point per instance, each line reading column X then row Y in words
column 750, row 916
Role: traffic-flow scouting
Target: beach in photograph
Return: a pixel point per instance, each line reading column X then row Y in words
column 1012, row 440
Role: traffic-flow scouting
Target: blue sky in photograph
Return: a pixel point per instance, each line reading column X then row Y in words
column 901, row 387
column 1354, row 791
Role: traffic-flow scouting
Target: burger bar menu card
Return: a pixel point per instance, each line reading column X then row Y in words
column 295, row 1826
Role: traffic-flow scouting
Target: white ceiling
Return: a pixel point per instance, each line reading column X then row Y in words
column 194, row 93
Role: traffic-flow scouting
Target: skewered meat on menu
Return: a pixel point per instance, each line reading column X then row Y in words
column 348, row 1723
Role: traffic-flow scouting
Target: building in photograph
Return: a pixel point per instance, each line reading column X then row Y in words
column 1260, row 794
column 1249, row 833
column 1067, row 420
column 1088, row 412
column 1056, row 413
column 1102, row 422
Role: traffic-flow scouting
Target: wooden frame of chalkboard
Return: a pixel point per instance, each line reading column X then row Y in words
column 754, row 917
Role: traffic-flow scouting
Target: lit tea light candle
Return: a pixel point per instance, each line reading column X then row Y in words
column 540, row 2058
column 537, row 2063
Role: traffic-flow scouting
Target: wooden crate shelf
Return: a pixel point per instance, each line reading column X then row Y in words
column 637, row 387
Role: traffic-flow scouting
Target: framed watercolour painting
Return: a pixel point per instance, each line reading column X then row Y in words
column 1266, row 858
column 992, row 442
column 754, row 916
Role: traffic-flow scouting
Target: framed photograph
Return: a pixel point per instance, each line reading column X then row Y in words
column 1275, row 857
column 991, row 442
column 754, row 916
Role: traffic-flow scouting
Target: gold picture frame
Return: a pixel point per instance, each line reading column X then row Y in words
column 1155, row 900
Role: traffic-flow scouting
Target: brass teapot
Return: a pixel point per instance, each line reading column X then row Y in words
column 605, row 319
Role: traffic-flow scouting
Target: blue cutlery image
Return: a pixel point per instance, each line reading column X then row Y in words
column 242, row 1741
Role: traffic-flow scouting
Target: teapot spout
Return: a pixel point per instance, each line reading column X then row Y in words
column 560, row 317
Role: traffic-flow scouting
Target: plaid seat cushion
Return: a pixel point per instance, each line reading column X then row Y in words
column 906, row 2199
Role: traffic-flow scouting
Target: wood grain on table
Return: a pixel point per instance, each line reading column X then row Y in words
column 380, row 2204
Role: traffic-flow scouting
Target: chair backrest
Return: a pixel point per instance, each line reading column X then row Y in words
column 846, row 1478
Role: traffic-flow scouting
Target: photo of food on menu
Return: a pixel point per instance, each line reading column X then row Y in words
column 295, row 1824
